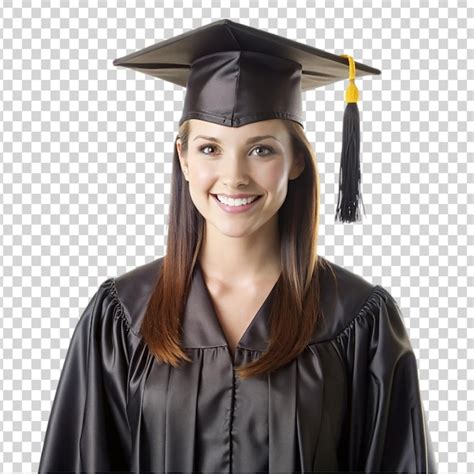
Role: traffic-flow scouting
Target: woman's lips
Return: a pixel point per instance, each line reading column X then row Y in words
column 235, row 209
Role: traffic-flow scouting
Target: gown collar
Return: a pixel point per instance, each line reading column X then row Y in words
column 201, row 327
column 342, row 301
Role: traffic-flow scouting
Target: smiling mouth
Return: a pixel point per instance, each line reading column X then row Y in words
column 256, row 197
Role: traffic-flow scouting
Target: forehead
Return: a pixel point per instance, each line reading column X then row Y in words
column 223, row 133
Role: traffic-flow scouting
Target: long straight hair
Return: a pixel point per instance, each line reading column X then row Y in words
column 295, row 308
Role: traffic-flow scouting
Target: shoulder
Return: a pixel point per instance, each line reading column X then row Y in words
column 344, row 296
column 134, row 288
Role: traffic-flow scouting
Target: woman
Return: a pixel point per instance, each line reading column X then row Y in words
column 241, row 350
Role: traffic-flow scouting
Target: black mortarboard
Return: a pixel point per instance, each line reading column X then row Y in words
column 235, row 74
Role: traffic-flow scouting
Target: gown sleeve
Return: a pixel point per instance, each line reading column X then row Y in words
column 88, row 428
column 387, row 428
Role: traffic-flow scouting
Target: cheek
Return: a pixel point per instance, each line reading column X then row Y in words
column 269, row 177
column 201, row 177
column 274, row 178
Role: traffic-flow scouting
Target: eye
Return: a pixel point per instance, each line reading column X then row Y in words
column 207, row 145
column 269, row 149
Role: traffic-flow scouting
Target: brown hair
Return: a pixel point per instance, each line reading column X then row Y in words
column 295, row 307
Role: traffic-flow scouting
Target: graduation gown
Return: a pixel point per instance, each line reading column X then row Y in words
column 349, row 402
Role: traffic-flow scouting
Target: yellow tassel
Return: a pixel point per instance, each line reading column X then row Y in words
column 349, row 174
column 352, row 93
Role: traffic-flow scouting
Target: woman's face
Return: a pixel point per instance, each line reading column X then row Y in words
column 230, row 161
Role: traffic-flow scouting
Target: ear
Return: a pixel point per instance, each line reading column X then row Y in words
column 297, row 166
column 183, row 161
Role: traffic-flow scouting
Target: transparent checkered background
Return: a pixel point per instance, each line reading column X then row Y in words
column 85, row 166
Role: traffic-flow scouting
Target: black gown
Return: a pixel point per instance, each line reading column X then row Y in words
column 349, row 402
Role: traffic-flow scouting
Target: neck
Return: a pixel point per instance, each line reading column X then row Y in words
column 241, row 261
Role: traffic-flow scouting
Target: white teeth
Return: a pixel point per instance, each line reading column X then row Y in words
column 236, row 202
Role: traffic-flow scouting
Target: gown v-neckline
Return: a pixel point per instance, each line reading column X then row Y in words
column 258, row 319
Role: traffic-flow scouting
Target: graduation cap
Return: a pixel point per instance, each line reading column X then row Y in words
column 235, row 74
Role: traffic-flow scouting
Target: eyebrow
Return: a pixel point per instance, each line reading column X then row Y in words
column 250, row 140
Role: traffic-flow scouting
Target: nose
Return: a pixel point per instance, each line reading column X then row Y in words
column 233, row 170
